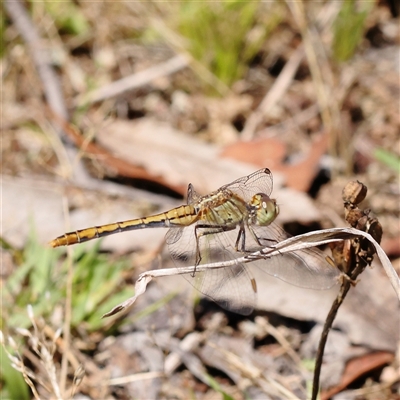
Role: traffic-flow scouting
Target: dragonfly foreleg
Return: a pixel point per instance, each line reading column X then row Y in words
column 260, row 240
column 241, row 239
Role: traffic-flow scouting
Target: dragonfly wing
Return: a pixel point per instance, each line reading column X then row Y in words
column 246, row 187
column 182, row 245
column 306, row 268
column 233, row 288
column 192, row 195
column 173, row 235
column 295, row 268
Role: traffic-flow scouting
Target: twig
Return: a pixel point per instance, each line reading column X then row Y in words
column 123, row 380
column 134, row 81
column 344, row 288
column 320, row 72
column 299, row 14
column 281, row 339
column 352, row 257
column 276, row 92
column 40, row 56
column 270, row 385
column 297, row 120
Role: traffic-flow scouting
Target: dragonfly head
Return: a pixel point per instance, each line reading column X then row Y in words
column 264, row 209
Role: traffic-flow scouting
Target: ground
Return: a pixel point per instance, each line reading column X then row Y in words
column 150, row 98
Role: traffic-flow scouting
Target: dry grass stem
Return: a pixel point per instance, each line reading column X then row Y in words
column 68, row 311
column 275, row 93
column 123, row 380
column 40, row 56
column 280, row 338
column 134, row 81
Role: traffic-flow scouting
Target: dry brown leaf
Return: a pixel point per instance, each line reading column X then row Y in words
column 164, row 151
column 357, row 367
column 271, row 152
column 261, row 152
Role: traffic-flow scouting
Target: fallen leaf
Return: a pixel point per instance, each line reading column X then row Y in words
column 261, row 152
column 357, row 367
column 170, row 154
column 271, row 152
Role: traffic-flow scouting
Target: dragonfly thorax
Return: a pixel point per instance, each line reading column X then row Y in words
column 263, row 210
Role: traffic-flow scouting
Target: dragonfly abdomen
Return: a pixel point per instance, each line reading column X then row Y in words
column 84, row 235
column 180, row 216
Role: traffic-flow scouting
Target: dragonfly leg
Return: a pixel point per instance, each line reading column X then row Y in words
column 260, row 239
column 240, row 244
column 241, row 235
column 207, row 230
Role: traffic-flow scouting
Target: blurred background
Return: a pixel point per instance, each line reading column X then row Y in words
column 110, row 109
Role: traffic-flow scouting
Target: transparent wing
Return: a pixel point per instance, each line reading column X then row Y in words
column 306, row 268
column 192, row 196
column 173, row 235
column 212, row 239
column 233, row 288
column 246, row 187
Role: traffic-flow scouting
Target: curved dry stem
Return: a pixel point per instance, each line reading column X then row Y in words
column 344, row 288
column 307, row 240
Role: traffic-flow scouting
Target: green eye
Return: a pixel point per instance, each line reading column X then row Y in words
column 266, row 209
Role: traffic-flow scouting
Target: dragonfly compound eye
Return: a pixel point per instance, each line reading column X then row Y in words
column 266, row 209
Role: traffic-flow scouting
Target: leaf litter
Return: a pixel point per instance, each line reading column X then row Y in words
column 236, row 358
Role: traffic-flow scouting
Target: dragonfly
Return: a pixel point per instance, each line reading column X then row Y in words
column 236, row 219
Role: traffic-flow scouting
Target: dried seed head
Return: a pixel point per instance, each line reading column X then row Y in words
column 374, row 228
column 79, row 375
column 354, row 192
